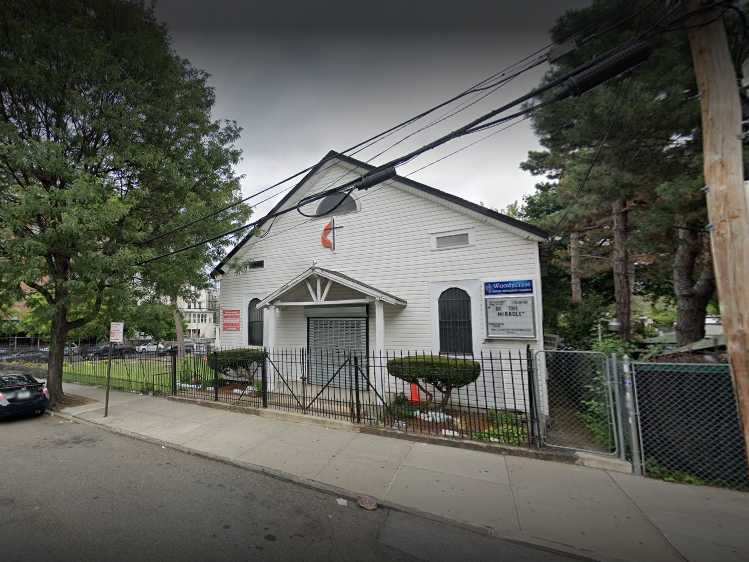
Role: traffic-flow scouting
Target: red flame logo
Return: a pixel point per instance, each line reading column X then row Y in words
column 324, row 237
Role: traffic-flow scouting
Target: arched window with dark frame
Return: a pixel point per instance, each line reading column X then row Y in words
column 254, row 323
column 454, row 307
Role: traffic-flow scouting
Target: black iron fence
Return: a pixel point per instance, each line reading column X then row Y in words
column 146, row 372
column 488, row 397
column 672, row 421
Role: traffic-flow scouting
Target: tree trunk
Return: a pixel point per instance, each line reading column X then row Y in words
column 622, row 289
column 179, row 331
column 692, row 260
column 575, row 283
column 58, row 335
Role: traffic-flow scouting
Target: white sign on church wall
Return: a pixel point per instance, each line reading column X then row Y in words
column 510, row 317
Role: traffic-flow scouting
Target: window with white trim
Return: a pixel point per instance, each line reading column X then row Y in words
column 450, row 240
column 454, row 308
column 254, row 323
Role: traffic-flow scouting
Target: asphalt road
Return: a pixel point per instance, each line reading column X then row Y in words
column 70, row 491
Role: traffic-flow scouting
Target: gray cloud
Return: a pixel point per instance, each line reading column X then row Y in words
column 302, row 78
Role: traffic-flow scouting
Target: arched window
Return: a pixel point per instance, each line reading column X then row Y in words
column 455, row 321
column 336, row 204
column 254, row 323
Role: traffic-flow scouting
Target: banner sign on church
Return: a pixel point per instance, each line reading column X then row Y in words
column 521, row 286
column 510, row 317
column 231, row 320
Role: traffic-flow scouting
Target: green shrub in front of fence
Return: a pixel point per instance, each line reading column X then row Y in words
column 442, row 373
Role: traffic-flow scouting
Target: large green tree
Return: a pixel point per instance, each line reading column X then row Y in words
column 625, row 160
column 106, row 143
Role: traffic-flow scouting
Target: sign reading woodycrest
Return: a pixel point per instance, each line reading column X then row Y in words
column 116, row 332
column 508, row 287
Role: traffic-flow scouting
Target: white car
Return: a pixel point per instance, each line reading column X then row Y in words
column 149, row 348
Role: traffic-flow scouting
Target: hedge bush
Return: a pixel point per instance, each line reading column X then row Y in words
column 443, row 373
column 234, row 358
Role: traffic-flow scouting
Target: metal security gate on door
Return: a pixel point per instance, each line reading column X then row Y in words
column 332, row 344
column 578, row 401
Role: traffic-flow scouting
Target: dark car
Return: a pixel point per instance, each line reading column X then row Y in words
column 101, row 351
column 30, row 356
column 96, row 351
column 22, row 394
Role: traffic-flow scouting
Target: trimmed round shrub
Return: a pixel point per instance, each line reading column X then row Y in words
column 235, row 359
column 442, row 373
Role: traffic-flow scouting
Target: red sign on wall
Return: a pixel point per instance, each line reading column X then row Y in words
column 231, row 320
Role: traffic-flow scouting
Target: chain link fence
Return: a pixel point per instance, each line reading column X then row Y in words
column 577, row 401
column 688, row 424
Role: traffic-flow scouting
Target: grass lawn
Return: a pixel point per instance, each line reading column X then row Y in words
column 131, row 373
column 147, row 373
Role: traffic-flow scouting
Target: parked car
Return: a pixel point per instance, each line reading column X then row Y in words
column 22, row 394
column 172, row 348
column 149, row 347
column 31, row 356
column 101, row 351
column 97, row 351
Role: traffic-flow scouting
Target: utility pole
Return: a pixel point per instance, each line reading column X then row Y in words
column 726, row 197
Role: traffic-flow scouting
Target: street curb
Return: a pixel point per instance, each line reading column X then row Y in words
column 268, row 413
column 557, row 455
column 566, row 456
column 339, row 492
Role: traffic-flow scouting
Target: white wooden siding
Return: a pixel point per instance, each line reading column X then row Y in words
column 387, row 244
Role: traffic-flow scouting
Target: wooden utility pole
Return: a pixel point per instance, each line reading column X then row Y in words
column 726, row 197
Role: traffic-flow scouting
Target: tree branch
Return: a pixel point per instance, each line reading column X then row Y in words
column 83, row 320
column 42, row 291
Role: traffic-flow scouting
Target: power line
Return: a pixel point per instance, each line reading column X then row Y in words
column 594, row 161
column 465, row 130
column 576, row 82
column 494, row 87
column 466, row 147
column 478, row 86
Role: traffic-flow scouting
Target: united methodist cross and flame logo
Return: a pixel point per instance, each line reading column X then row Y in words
column 327, row 238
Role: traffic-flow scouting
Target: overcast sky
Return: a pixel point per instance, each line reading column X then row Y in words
column 302, row 78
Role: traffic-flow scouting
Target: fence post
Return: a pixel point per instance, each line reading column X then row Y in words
column 173, row 370
column 264, row 381
column 535, row 433
column 632, row 417
column 356, row 388
column 215, row 380
column 614, row 380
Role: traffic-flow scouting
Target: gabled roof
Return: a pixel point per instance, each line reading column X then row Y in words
column 507, row 220
column 335, row 277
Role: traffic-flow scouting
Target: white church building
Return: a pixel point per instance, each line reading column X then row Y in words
column 400, row 266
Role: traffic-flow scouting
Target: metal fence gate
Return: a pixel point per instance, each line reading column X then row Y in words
column 688, row 425
column 578, row 401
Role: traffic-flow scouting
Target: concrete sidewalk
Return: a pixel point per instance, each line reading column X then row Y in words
column 590, row 512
